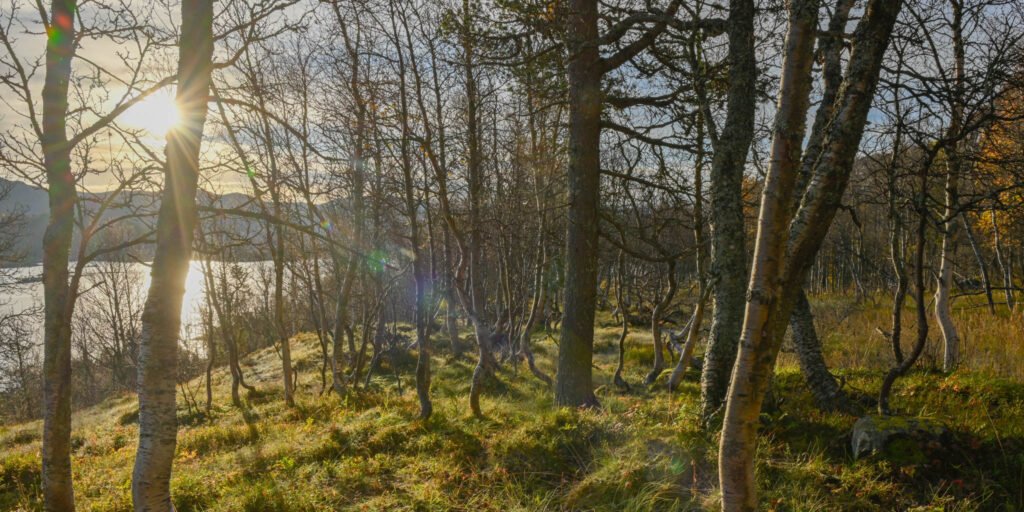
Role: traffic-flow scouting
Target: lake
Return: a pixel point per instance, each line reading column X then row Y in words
column 29, row 290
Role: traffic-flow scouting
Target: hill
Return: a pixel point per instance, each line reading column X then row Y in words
column 642, row 451
column 138, row 211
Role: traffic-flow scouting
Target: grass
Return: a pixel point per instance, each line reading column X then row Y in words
column 642, row 451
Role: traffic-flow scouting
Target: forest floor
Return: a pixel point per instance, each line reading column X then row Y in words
column 643, row 450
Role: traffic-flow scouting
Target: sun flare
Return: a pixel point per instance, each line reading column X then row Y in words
column 157, row 114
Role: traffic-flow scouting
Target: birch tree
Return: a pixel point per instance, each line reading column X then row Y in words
column 787, row 240
column 161, row 317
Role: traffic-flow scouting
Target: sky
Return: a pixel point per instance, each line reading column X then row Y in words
column 112, row 61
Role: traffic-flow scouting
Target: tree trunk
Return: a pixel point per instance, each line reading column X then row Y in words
column 944, row 282
column 787, row 243
column 540, row 296
column 822, row 384
column 826, row 391
column 692, row 331
column 728, row 241
column 904, row 365
column 474, row 170
column 422, row 337
column 451, row 320
column 980, row 259
column 419, row 268
column 279, row 324
column 211, row 348
column 1005, row 268
column 357, row 169
column 618, row 380
column 693, row 328
column 161, row 318
column 58, row 493
column 896, row 248
column 659, row 310
column 767, row 312
column 574, row 381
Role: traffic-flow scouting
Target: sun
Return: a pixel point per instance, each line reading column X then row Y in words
column 157, row 114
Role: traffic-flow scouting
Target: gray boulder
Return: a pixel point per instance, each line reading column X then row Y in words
column 898, row 438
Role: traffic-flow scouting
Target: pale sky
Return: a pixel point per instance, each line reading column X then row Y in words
column 112, row 61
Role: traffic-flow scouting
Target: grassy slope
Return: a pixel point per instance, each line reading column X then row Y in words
column 643, row 451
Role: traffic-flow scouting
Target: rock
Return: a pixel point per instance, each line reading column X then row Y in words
column 898, row 438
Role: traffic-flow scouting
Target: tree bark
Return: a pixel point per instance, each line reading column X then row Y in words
column 986, row 281
column 620, row 366
column 412, row 207
column 1005, row 268
column 693, row 329
column 904, row 365
column 358, row 173
column 58, row 493
column 787, row 244
column 826, row 391
column 954, row 163
column 896, row 248
column 659, row 310
column 161, row 318
column 763, row 323
column 279, row 322
column 728, row 241
column 574, row 380
column 540, row 297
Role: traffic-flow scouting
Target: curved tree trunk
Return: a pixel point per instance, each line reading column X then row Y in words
column 223, row 306
column 904, row 365
column 954, row 163
column 540, row 297
column 692, row 331
column 944, row 284
column 826, row 391
column 161, row 318
column 896, row 247
column 788, row 241
column 659, row 311
column 768, row 309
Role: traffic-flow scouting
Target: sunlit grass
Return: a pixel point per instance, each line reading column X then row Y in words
column 642, row 451
column 850, row 334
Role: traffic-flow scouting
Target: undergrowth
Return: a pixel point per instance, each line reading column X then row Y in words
column 643, row 450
